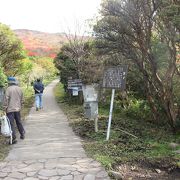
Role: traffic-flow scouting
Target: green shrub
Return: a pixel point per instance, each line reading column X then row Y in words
column 2, row 77
column 138, row 109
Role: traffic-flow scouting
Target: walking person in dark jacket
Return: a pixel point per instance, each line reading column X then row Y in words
column 38, row 89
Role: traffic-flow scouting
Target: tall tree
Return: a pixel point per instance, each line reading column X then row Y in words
column 132, row 28
column 77, row 60
column 11, row 51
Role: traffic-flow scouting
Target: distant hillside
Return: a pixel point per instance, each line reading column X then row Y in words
column 40, row 43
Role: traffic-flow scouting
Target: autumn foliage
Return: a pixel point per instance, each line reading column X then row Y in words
column 39, row 43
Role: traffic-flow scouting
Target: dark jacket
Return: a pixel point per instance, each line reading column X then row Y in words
column 38, row 87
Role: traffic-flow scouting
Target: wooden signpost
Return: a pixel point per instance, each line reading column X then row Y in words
column 114, row 78
column 75, row 85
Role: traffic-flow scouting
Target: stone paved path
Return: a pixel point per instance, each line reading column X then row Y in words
column 51, row 150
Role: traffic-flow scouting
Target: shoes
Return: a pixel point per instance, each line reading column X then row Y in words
column 37, row 109
column 14, row 141
column 22, row 136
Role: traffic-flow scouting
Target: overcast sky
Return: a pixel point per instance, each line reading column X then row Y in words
column 47, row 15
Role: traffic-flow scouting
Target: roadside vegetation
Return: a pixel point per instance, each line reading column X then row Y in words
column 145, row 133
column 137, row 147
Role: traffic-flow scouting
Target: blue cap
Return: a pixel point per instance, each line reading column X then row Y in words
column 12, row 80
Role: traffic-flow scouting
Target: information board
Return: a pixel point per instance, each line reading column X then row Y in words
column 115, row 77
column 75, row 83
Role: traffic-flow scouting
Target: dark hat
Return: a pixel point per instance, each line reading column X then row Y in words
column 12, row 80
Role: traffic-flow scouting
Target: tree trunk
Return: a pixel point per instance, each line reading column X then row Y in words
column 170, row 109
column 151, row 101
column 153, row 108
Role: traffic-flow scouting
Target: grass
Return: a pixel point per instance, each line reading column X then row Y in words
column 151, row 147
column 4, row 148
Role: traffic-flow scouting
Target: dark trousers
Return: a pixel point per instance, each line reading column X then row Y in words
column 17, row 117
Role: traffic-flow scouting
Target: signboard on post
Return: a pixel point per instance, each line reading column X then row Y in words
column 90, row 93
column 75, row 91
column 75, row 85
column 114, row 78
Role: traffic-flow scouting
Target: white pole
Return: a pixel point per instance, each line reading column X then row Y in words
column 110, row 114
column 96, row 124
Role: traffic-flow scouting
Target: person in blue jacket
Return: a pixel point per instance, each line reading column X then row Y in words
column 38, row 90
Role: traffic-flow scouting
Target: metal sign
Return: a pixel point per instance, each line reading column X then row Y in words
column 75, row 91
column 75, row 83
column 115, row 77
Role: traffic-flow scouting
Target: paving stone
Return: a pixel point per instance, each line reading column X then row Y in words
column 63, row 172
column 31, row 178
column 94, row 170
column 102, row 174
column 31, row 173
column 30, row 161
column 17, row 175
column 43, row 178
column 69, row 177
column 86, row 159
column 55, row 178
column 47, row 172
column 7, row 169
column 66, row 167
column 32, row 167
column 67, row 161
column 3, row 164
column 95, row 164
column 14, row 163
column 2, row 175
column 55, row 161
column 76, row 173
column 50, row 166
column 9, row 178
column 83, row 165
column 20, row 166
column 78, row 177
column 42, row 160
column 76, row 166
column 51, row 163
column 89, row 177
column 83, row 170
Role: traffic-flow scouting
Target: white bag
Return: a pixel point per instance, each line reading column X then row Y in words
column 6, row 127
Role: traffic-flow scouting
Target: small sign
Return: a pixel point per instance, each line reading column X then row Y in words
column 115, row 77
column 90, row 92
column 75, row 83
column 75, row 91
